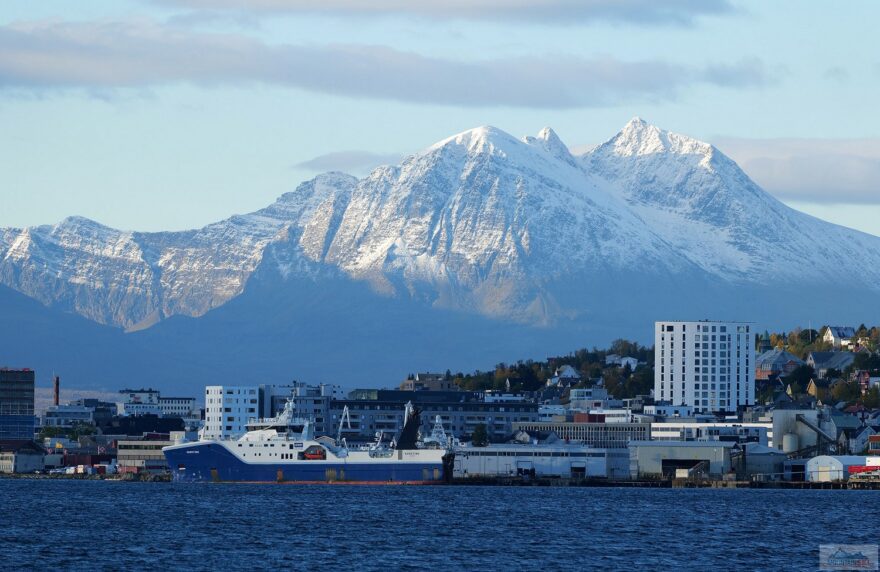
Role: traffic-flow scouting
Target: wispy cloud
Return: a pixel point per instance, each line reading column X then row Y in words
column 354, row 162
column 106, row 55
column 645, row 12
column 844, row 171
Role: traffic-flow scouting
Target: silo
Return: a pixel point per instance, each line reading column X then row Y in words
column 790, row 443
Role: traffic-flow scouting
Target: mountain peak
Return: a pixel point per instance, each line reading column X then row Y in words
column 550, row 142
column 479, row 139
column 638, row 137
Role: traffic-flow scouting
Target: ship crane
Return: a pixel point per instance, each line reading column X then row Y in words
column 344, row 418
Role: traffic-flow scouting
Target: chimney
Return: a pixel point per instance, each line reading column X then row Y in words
column 57, row 388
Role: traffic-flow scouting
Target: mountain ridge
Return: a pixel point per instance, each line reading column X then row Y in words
column 512, row 238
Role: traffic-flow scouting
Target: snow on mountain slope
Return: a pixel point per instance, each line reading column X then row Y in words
column 482, row 222
column 702, row 202
column 132, row 279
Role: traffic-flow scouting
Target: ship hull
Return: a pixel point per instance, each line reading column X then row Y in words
column 213, row 462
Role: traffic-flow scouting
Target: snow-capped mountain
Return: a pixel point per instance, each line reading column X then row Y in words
column 703, row 204
column 504, row 232
column 133, row 279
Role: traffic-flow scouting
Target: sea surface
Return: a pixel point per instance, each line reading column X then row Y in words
column 104, row 525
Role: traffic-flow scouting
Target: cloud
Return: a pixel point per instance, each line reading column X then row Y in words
column 349, row 161
column 645, row 12
column 842, row 171
column 105, row 55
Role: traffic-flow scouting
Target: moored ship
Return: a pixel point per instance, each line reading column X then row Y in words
column 283, row 449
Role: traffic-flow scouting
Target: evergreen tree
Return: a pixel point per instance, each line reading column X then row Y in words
column 480, row 438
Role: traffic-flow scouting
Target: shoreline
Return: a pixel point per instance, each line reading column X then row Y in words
column 503, row 482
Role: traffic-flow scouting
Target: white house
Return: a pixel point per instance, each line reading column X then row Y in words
column 839, row 336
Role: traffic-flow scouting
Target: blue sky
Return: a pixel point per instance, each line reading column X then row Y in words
column 169, row 114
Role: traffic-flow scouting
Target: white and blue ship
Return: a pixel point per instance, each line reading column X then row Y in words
column 283, row 449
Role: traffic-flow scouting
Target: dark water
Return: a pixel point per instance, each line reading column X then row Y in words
column 62, row 524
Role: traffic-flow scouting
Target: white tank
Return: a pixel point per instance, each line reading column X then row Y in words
column 790, row 443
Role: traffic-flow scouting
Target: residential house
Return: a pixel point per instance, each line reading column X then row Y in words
column 612, row 359
column 865, row 380
column 776, row 361
column 565, row 376
column 819, row 388
column 822, row 362
column 621, row 361
column 858, row 444
column 839, row 336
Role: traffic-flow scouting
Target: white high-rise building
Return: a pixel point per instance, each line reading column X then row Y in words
column 228, row 409
column 709, row 366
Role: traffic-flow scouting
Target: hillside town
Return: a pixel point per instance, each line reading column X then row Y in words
column 711, row 404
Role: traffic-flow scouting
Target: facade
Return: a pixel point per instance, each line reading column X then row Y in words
column 706, row 365
column 312, row 403
column 599, row 435
column 183, row 407
column 687, row 430
column 228, row 408
column 666, row 458
column 668, row 410
column 428, row 382
column 21, row 457
column 17, row 419
column 142, row 456
column 140, row 401
column 68, row 416
column 557, row 460
column 461, row 412
column 588, row 398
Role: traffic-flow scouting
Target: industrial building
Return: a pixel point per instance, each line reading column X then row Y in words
column 805, row 431
column 827, row 468
column 142, row 456
column 21, row 457
column 17, row 419
column 658, row 459
column 690, row 429
column 556, row 460
column 706, row 365
column 600, row 435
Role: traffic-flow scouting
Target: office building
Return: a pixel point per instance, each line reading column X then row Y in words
column 17, row 419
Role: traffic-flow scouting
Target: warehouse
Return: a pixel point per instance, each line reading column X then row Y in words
column 558, row 460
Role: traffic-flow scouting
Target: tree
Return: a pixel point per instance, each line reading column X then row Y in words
column 800, row 378
column 808, row 336
column 846, row 392
column 480, row 438
column 868, row 361
column 871, row 400
column 833, row 374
